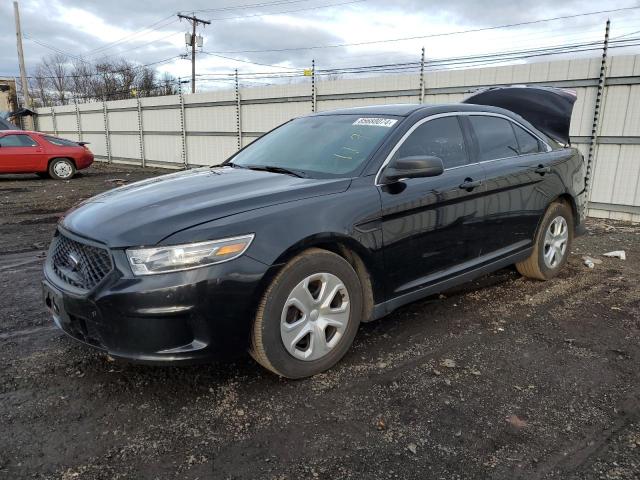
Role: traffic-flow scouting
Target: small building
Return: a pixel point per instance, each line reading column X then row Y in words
column 7, row 95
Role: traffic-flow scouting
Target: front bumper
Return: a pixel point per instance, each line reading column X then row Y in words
column 181, row 317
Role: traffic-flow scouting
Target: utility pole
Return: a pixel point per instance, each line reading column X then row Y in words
column 23, row 71
column 194, row 22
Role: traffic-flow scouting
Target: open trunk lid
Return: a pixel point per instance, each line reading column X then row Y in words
column 546, row 108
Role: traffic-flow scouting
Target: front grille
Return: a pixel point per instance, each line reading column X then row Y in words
column 78, row 264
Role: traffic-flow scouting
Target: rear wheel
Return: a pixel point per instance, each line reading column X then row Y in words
column 552, row 244
column 61, row 169
column 309, row 315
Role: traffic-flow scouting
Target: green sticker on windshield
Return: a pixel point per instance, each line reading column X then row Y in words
column 376, row 122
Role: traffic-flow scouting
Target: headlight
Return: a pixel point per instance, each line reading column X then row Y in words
column 149, row 261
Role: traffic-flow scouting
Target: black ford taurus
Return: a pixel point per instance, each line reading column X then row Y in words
column 327, row 221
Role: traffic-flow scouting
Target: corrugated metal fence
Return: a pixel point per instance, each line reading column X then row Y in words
column 206, row 128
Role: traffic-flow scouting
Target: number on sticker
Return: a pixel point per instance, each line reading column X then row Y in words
column 376, row 122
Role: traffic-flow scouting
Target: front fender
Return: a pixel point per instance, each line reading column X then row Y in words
column 349, row 218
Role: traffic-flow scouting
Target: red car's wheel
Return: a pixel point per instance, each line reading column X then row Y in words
column 61, row 169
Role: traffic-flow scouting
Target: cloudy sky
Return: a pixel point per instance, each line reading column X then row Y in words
column 280, row 32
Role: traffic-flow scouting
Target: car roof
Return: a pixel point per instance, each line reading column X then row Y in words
column 406, row 109
column 10, row 132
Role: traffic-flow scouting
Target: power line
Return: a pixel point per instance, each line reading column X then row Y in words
column 250, row 5
column 156, row 26
column 433, row 35
column 454, row 61
column 317, row 7
column 247, row 61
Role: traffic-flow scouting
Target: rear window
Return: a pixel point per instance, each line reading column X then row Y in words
column 61, row 142
column 17, row 140
column 495, row 137
column 527, row 143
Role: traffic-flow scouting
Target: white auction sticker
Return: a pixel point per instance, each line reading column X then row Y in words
column 376, row 122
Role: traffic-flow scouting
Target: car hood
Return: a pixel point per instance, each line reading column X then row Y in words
column 546, row 108
column 146, row 212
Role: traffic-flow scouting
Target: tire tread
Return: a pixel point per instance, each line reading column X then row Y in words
column 530, row 267
column 256, row 349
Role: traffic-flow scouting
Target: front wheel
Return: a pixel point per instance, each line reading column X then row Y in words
column 309, row 315
column 61, row 169
column 552, row 244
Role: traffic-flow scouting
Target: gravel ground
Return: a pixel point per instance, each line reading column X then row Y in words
column 503, row 378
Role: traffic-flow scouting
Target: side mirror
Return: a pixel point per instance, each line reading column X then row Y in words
column 414, row 167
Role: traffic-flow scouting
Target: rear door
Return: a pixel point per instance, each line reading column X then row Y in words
column 516, row 167
column 20, row 153
column 430, row 225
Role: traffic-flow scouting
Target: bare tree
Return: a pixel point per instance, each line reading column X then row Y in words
column 167, row 85
column 57, row 69
column 57, row 80
column 40, row 87
column 82, row 80
column 146, row 82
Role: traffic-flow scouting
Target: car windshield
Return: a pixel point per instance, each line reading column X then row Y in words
column 319, row 146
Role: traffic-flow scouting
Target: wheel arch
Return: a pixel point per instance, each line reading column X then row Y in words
column 55, row 157
column 571, row 201
column 346, row 247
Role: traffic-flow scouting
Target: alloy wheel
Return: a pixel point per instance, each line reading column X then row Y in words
column 555, row 242
column 62, row 169
column 315, row 316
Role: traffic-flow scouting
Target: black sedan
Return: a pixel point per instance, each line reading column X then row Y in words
column 327, row 221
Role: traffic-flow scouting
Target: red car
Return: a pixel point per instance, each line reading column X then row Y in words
column 48, row 156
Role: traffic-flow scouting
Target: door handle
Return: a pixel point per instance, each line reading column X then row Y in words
column 469, row 184
column 541, row 169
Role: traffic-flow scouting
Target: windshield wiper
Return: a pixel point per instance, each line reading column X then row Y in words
column 275, row 169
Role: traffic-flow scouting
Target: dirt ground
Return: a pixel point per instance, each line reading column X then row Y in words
column 504, row 378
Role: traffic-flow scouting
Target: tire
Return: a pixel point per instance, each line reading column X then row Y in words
column 61, row 169
column 536, row 266
column 307, row 286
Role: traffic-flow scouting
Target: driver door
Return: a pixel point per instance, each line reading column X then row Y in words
column 431, row 226
column 19, row 153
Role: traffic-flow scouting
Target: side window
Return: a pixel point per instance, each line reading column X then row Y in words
column 527, row 142
column 17, row 140
column 495, row 137
column 441, row 138
column 61, row 142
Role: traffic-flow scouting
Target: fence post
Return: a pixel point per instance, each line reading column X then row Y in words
column 54, row 121
column 313, row 86
column 78, row 120
column 107, row 134
column 185, row 159
column 238, row 112
column 141, row 134
column 422, row 77
column 593, row 142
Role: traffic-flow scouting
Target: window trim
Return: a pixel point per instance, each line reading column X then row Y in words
column 513, row 125
column 450, row 114
column 36, row 144
column 46, row 138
